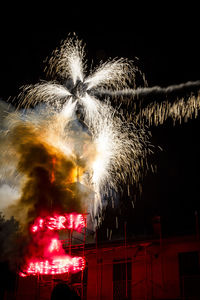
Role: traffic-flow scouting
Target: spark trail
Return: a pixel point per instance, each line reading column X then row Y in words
column 76, row 124
column 151, row 105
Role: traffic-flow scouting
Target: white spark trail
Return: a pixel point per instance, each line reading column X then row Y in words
column 180, row 110
column 113, row 73
column 68, row 60
column 46, row 92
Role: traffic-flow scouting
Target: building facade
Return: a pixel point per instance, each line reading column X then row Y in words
column 139, row 270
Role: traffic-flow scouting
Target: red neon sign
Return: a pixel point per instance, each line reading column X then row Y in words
column 58, row 265
column 47, row 254
column 55, row 246
column 71, row 221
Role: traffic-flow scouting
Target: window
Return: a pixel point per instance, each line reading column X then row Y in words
column 189, row 263
column 121, row 279
column 189, row 274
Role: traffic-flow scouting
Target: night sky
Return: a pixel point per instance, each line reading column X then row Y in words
column 166, row 42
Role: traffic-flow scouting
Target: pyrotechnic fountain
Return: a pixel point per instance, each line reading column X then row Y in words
column 63, row 149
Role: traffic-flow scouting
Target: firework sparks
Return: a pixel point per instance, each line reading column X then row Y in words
column 70, row 123
column 83, row 138
column 150, row 105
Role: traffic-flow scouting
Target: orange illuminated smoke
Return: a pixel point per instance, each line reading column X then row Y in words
column 53, row 167
column 71, row 221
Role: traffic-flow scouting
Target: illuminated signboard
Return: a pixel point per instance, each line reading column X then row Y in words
column 53, row 259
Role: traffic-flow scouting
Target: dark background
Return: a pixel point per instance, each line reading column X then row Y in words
column 166, row 41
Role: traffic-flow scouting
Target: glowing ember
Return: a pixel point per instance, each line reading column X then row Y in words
column 58, row 265
column 52, row 173
column 71, row 221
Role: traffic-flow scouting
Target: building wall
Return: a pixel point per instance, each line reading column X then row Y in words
column 155, row 271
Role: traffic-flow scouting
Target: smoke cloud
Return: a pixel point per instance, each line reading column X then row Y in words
column 154, row 93
column 48, row 175
column 39, row 174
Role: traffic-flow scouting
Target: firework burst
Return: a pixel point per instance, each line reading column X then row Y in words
column 99, row 144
